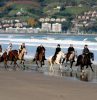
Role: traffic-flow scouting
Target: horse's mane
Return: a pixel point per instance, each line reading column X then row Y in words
column 14, row 50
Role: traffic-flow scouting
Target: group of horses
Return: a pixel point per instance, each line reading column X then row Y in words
column 81, row 60
column 61, row 58
column 13, row 56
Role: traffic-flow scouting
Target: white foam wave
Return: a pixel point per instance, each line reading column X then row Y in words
column 50, row 40
column 96, row 38
column 51, row 43
column 85, row 39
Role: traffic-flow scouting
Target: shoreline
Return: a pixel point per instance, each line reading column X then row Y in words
column 64, row 34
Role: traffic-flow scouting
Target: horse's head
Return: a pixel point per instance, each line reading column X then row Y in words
column 91, row 56
column 3, row 57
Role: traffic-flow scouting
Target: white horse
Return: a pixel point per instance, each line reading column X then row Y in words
column 61, row 55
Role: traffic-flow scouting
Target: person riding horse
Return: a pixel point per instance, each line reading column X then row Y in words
column 21, row 47
column 58, row 49
column 9, row 48
column 0, row 49
column 39, row 50
column 85, row 58
column 71, row 52
column 86, row 52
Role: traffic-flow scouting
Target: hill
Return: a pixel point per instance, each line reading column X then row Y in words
column 46, row 8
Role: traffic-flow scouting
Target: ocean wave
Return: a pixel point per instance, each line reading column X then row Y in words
column 49, row 40
column 52, row 43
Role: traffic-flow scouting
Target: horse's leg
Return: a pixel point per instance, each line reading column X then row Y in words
column 17, row 65
column 82, row 67
column 60, row 67
column 22, row 60
column 41, row 63
column 66, row 63
column 11, row 62
column 71, row 64
column 63, row 60
column 86, row 66
column 51, row 68
column 91, row 68
column 23, row 65
column 14, row 67
column 37, row 65
column 50, row 63
column 5, row 64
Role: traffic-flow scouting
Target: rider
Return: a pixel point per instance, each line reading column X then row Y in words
column 58, row 49
column 21, row 47
column 9, row 48
column 71, row 52
column 0, row 49
column 38, row 51
column 86, row 50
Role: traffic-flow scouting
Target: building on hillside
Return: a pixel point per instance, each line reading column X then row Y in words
column 57, row 27
column 46, row 27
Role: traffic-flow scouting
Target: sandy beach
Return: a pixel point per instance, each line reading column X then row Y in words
column 33, row 85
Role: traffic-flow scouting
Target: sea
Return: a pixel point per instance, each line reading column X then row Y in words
column 50, row 41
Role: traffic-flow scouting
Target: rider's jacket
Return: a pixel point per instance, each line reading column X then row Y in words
column 86, row 51
column 70, row 49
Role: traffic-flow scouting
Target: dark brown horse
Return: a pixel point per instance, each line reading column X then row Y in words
column 40, row 57
column 85, row 60
column 12, row 56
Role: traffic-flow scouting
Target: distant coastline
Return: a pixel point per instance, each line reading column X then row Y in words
column 65, row 34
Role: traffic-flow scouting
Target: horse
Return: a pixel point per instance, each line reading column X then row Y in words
column 60, row 56
column 70, row 58
column 13, row 56
column 85, row 60
column 40, row 58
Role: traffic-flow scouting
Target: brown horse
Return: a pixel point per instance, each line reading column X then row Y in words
column 39, row 58
column 85, row 60
column 13, row 56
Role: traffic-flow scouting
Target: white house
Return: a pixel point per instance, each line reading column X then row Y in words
column 46, row 26
column 56, row 27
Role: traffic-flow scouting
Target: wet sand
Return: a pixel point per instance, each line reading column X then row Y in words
column 33, row 85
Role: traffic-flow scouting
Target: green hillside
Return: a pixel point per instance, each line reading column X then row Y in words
column 46, row 8
column 38, row 8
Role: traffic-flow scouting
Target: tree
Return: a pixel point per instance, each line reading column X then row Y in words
column 32, row 22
